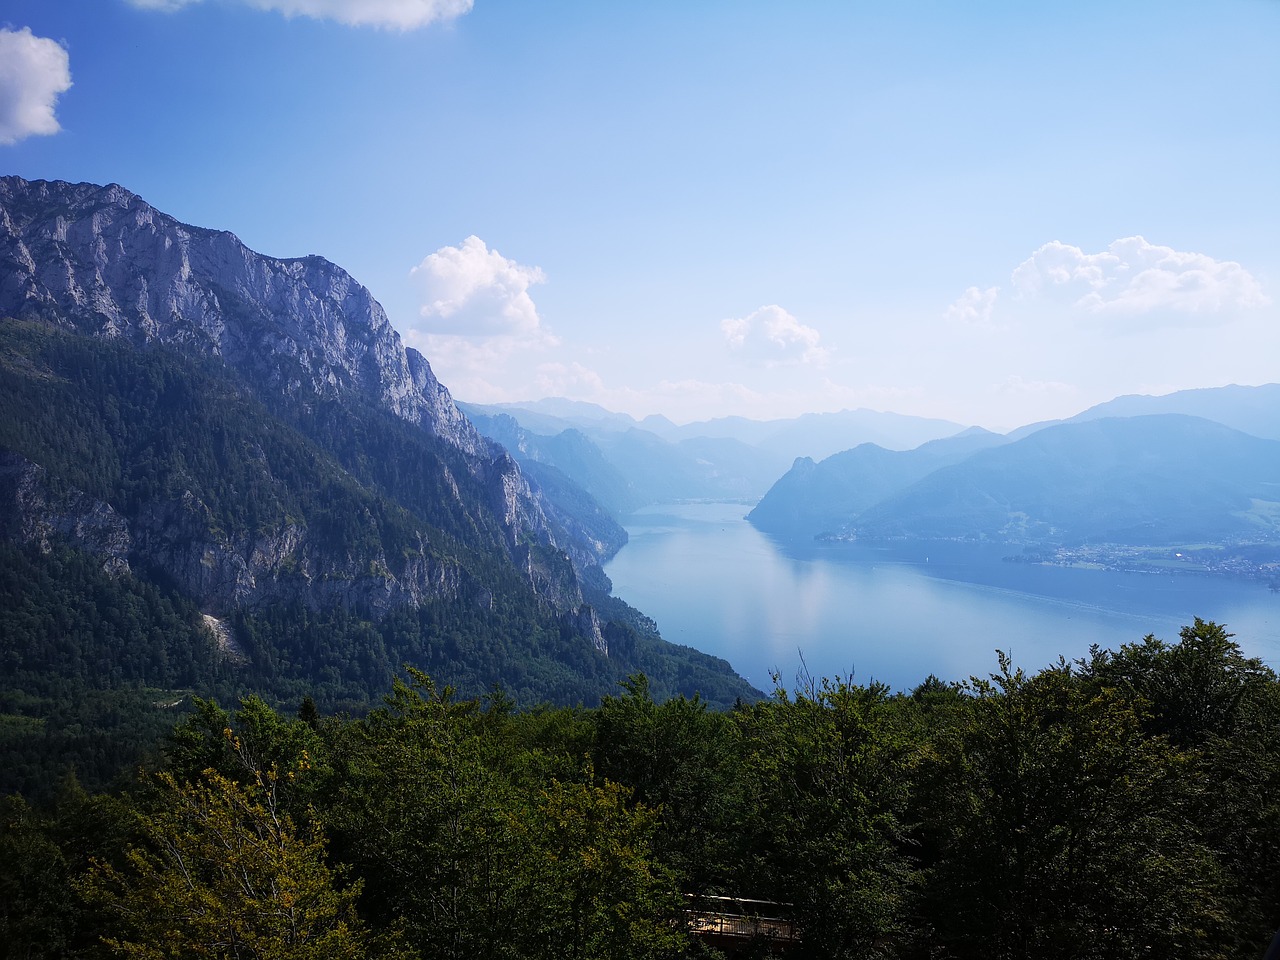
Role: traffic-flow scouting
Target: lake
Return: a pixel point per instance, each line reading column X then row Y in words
column 898, row 612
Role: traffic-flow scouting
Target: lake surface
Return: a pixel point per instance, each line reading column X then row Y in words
column 900, row 612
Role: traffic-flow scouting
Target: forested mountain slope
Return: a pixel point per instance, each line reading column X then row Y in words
column 1140, row 481
column 1153, row 480
column 816, row 498
column 245, row 439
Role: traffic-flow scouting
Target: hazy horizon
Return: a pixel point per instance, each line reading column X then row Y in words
column 986, row 214
column 639, row 418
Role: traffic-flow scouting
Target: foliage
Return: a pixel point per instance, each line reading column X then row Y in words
column 95, row 664
column 1065, row 829
column 826, row 772
column 588, row 883
column 224, row 874
column 1121, row 807
column 477, row 852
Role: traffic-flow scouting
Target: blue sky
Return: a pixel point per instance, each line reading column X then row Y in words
column 988, row 212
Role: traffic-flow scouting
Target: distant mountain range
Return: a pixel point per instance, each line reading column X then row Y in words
column 1160, row 479
column 816, row 498
column 1254, row 410
column 1135, row 479
column 626, row 463
column 1154, row 479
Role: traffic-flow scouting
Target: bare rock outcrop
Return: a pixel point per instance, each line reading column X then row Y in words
column 100, row 259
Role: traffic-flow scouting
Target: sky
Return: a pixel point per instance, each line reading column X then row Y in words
column 989, row 212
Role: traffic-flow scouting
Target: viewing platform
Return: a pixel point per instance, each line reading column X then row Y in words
column 731, row 923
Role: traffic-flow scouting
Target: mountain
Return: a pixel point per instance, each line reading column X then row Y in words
column 569, row 451
column 248, row 436
column 731, row 458
column 1254, row 410
column 697, row 468
column 1151, row 480
column 572, row 411
column 106, row 264
column 816, row 498
column 819, row 435
column 621, row 465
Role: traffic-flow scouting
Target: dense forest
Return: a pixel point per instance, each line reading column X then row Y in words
column 1124, row 805
column 94, row 668
column 138, row 484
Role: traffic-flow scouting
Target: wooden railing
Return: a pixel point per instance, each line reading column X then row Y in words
column 737, row 919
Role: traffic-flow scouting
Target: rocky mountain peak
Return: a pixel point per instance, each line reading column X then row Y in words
column 113, row 265
column 103, row 261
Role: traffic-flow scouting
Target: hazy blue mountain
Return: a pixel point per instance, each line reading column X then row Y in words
column 819, row 435
column 726, row 458
column 570, row 452
column 817, row 498
column 657, row 423
column 626, row 467
column 1254, row 410
column 1161, row 479
column 697, row 468
column 570, row 413
column 750, row 432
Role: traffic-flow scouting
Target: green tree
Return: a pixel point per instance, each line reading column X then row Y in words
column 589, row 882
column 684, row 759
column 418, row 808
column 1223, row 708
column 827, row 780
column 1195, row 688
column 223, row 874
column 1064, row 829
column 36, row 913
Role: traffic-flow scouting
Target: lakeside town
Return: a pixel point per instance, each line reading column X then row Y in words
column 1258, row 562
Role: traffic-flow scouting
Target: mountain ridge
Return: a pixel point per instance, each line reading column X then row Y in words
column 107, row 263
column 1160, row 479
column 251, row 433
column 635, row 463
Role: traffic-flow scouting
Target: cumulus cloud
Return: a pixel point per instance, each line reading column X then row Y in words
column 773, row 336
column 394, row 14
column 33, row 72
column 974, row 307
column 1134, row 277
column 472, row 291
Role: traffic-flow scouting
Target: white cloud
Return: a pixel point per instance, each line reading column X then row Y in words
column 33, row 72
column 775, row 337
column 395, row 14
column 472, row 291
column 974, row 307
column 1134, row 277
column 475, row 370
column 567, row 379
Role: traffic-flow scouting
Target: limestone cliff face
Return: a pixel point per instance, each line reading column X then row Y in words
column 116, row 266
column 31, row 512
column 102, row 260
column 221, row 573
